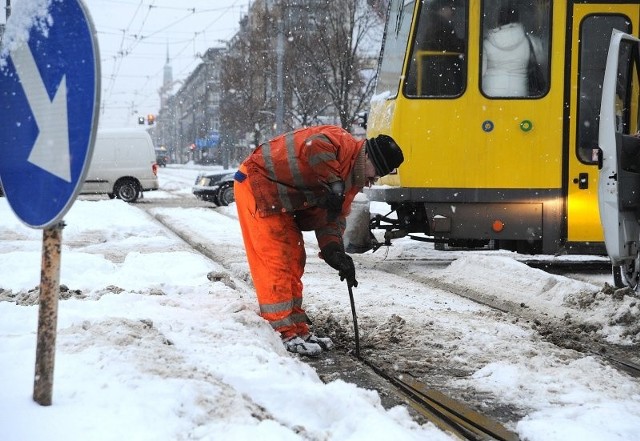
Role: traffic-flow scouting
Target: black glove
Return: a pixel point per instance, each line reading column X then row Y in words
column 336, row 258
column 334, row 200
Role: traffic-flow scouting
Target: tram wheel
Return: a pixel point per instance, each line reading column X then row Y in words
column 627, row 274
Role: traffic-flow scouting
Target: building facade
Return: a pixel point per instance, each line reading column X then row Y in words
column 262, row 83
column 188, row 122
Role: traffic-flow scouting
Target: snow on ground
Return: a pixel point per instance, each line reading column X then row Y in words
column 149, row 348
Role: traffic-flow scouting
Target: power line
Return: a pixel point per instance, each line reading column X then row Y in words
column 130, row 43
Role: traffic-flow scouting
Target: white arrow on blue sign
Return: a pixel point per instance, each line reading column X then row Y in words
column 49, row 102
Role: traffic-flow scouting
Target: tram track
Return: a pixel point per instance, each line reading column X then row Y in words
column 425, row 403
column 400, row 386
column 552, row 266
column 444, row 411
column 559, row 330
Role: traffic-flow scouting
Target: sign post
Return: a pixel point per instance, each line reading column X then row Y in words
column 47, row 314
column 49, row 101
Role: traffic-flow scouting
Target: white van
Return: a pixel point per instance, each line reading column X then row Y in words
column 123, row 165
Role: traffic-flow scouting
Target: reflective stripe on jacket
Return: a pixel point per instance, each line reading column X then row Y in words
column 291, row 174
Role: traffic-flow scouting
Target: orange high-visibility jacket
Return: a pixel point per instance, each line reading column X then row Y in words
column 291, row 174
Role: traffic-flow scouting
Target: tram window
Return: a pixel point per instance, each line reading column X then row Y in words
column 627, row 94
column 438, row 58
column 394, row 45
column 634, row 93
column 511, row 29
column 595, row 34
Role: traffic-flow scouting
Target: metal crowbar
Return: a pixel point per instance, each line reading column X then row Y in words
column 355, row 320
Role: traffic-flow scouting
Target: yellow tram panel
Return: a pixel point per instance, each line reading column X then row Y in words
column 489, row 161
column 450, row 148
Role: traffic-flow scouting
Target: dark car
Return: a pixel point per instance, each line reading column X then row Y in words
column 215, row 187
column 161, row 160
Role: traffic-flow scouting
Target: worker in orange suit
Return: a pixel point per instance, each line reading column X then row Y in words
column 303, row 180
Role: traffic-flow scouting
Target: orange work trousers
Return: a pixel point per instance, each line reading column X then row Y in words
column 276, row 256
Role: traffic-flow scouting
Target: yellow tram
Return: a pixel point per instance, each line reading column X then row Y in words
column 492, row 156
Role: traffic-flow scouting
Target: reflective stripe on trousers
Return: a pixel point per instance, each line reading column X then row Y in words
column 276, row 256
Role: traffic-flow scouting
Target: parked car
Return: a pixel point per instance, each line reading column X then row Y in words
column 215, row 187
column 161, row 157
column 123, row 165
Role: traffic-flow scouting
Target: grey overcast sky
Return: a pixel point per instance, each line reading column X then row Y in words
column 133, row 37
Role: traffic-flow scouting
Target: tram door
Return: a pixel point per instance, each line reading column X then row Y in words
column 591, row 32
column 619, row 185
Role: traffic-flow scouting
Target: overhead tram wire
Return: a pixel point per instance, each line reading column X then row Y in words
column 118, row 61
column 213, row 22
column 189, row 42
column 122, row 52
column 140, row 38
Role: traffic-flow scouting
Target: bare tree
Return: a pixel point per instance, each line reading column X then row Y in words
column 307, row 99
column 338, row 53
column 244, row 83
column 328, row 65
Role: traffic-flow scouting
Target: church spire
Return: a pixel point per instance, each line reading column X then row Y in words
column 167, row 81
column 168, row 72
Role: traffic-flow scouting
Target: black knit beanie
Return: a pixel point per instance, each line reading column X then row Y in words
column 384, row 153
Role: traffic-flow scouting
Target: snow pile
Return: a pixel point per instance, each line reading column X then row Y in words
column 149, row 348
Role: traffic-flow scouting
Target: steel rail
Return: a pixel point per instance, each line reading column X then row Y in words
column 445, row 412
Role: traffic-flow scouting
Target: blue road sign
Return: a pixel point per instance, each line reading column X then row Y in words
column 49, row 99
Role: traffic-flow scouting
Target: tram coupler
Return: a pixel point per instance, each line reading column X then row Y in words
column 391, row 227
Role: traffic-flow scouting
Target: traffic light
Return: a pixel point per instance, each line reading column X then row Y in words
column 141, row 120
column 151, row 118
